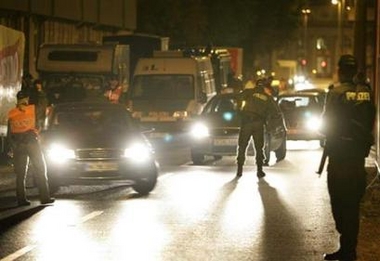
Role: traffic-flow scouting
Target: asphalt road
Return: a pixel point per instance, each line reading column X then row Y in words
column 195, row 213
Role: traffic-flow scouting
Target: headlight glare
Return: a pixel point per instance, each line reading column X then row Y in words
column 59, row 153
column 199, row 131
column 314, row 123
column 137, row 152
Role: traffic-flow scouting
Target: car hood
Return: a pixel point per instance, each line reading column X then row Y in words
column 91, row 138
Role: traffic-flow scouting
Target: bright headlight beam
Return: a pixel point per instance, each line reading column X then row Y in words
column 199, row 130
column 138, row 152
column 313, row 123
column 59, row 153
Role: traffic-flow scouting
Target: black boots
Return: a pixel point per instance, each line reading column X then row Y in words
column 260, row 173
column 239, row 171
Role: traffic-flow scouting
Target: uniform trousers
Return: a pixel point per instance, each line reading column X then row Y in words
column 254, row 129
column 346, row 181
column 22, row 153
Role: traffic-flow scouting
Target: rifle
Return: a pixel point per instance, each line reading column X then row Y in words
column 322, row 162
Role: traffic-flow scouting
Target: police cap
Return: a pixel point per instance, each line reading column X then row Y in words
column 347, row 60
column 22, row 95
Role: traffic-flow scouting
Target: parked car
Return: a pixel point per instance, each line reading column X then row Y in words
column 302, row 111
column 215, row 132
column 97, row 143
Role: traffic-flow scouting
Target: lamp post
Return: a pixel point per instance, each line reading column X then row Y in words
column 305, row 12
column 340, row 35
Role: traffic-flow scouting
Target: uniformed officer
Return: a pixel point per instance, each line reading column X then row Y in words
column 348, row 117
column 23, row 138
column 256, row 105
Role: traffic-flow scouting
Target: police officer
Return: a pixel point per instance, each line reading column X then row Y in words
column 348, row 116
column 23, row 138
column 256, row 105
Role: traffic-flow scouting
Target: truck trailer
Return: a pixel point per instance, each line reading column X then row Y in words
column 12, row 43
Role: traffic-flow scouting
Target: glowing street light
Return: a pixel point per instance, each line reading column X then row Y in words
column 340, row 4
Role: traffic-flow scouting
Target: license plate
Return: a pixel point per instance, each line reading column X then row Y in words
column 225, row 142
column 101, row 166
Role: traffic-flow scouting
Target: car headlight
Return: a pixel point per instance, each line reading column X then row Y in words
column 138, row 152
column 199, row 130
column 59, row 153
column 314, row 123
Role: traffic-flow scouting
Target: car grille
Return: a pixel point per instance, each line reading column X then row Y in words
column 84, row 154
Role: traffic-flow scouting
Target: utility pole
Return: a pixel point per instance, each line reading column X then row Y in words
column 360, row 33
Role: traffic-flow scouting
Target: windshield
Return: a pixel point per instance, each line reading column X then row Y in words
column 167, row 87
column 221, row 105
column 91, row 120
column 294, row 102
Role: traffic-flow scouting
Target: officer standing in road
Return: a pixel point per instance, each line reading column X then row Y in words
column 23, row 138
column 348, row 118
column 256, row 106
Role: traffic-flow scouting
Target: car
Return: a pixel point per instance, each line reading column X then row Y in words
column 321, row 93
column 91, row 143
column 302, row 112
column 215, row 131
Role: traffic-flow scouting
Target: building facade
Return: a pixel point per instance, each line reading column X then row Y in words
column 66, row 21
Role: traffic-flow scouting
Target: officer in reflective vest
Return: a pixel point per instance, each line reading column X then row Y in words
column 23, row 138
column 348, row 121
column 256, row 106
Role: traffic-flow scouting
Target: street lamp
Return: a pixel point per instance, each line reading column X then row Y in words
column 305, row 12
column 340, row 5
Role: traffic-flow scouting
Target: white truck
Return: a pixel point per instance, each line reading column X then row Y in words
column 168, row 90
column 12, row 44
column 81, row 71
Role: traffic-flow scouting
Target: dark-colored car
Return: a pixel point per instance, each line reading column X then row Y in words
column 97, row 143
column 302, row 112
column 215, row 132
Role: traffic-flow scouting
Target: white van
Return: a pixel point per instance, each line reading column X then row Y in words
column 168, row 90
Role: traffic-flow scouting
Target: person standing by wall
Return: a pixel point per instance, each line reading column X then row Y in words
column 23, row 138
column 256, row 106
column 348, row 117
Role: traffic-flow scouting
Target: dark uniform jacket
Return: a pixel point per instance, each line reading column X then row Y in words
column 348, row 120
column 255, row 104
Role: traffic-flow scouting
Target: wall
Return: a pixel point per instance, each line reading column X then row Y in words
column 66, row 21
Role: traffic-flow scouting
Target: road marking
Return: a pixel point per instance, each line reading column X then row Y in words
column 86, row 218
column 19, row 253
column 90, row 216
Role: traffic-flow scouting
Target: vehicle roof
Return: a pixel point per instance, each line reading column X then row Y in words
column 87, row 105
column 225, row 95
column 318, row 90
column 305, row 94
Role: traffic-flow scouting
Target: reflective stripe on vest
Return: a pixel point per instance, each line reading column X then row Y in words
column 22, row 121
